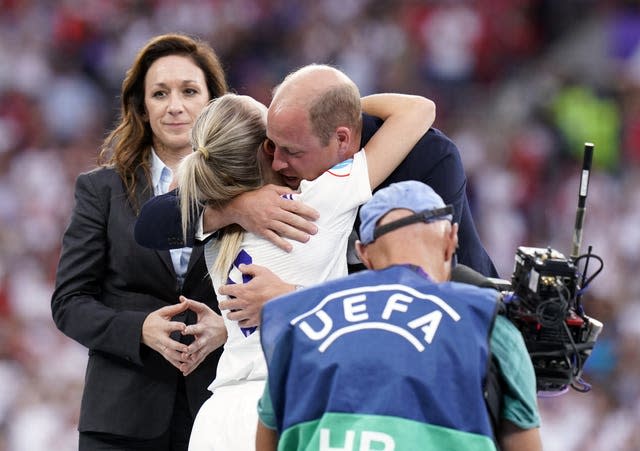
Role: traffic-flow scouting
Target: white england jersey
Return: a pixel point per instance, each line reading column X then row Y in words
column 336, row 195
column 227, row 420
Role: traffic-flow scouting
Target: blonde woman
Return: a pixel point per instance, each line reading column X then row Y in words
column 231, row 156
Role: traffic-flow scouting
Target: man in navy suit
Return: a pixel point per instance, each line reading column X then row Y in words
column 299, row 150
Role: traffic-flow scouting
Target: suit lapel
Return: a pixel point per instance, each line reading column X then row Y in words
column 196, row 254
column 165, row 256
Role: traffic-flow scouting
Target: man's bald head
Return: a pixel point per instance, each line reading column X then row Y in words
column 307, row 82
column 327, row 95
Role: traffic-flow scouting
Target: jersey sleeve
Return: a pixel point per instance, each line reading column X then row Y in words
column 519, row 391
column 340, row 190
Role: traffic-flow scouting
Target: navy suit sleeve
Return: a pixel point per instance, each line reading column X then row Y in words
column 435, row 160
column 159, row 225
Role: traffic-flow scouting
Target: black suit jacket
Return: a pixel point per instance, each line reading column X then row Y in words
column 106, row 285
column 434, row 160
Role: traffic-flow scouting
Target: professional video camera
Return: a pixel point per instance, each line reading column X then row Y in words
column 544, row 302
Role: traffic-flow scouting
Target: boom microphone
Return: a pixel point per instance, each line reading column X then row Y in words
column 464, row 274
column 544, row 304
column 582, row 198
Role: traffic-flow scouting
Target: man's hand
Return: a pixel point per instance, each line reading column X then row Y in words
column 209, row 333
column 156, row 331
column 265, row 213
column 250, row 297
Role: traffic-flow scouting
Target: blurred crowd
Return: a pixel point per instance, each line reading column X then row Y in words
column 520, row 86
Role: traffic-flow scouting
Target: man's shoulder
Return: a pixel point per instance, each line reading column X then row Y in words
column 435, row 145
column 438, row 136
column 433, row 139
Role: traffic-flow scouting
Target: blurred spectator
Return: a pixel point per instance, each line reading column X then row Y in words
column 583, row 115
column 491, row 65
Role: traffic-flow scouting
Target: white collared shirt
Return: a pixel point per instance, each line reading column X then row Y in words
column 161, row 176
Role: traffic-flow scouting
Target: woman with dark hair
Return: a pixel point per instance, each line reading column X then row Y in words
column 120, row 300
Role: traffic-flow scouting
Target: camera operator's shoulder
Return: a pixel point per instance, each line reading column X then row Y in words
column 475, row 292
column 506, row 336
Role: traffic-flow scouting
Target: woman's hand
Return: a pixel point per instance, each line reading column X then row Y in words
column 209, row 334
column 157, row 329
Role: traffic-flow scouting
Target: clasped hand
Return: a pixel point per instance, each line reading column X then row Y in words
column 244, row 304
column 209, row 334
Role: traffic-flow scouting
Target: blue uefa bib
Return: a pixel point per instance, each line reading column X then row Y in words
column 376, row 355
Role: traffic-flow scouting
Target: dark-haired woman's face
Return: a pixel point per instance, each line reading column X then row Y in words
column 175, row 92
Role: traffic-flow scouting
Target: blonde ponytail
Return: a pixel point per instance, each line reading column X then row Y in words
column 226, row 139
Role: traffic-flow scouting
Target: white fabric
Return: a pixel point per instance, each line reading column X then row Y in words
column 336, row 195
column 227, row 421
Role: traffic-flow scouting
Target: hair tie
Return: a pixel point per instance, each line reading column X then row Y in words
column 203, row 150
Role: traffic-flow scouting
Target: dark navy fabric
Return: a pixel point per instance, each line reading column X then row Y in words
column 435, row 160
column 159, row 225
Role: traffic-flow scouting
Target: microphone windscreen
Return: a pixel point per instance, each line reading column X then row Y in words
column 464, row 274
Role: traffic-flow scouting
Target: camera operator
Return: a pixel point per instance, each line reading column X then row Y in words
column 395, row 357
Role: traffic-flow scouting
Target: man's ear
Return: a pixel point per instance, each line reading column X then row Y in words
column 268, row 148
column 452, row 242
column 344, row 141
column 361, row 250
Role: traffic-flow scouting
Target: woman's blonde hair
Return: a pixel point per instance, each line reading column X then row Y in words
column 226, row 138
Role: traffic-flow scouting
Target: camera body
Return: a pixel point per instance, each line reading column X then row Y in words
column 543, row 302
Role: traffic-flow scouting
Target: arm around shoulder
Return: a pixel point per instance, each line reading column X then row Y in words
column 266, row 213
column 406, row 119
